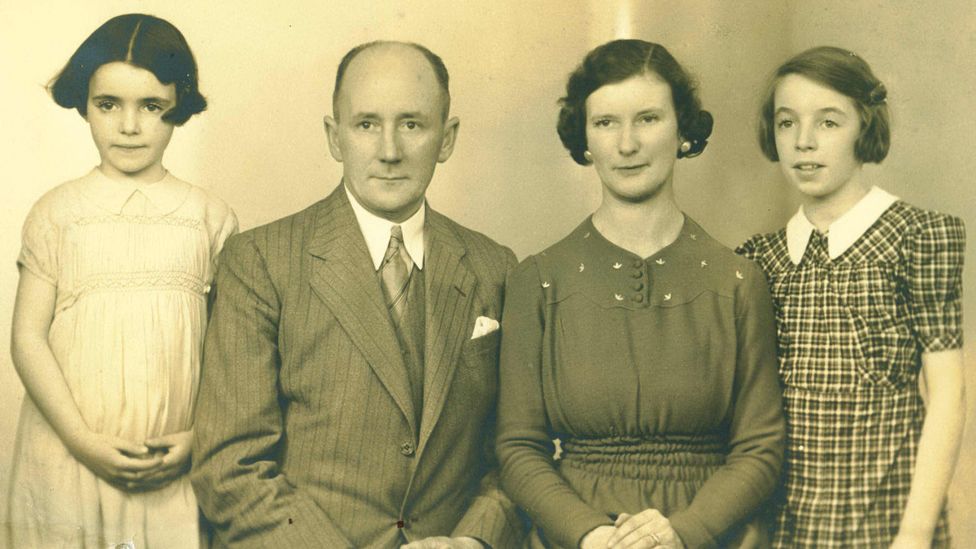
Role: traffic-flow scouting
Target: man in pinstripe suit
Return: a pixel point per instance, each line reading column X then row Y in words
column 334, row 412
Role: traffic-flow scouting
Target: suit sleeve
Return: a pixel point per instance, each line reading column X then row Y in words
column 756, row 428
column 492, row 518
column 239, row 425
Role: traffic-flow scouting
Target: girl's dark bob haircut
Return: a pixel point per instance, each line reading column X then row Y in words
column 617, row 61
column 140, row 40
column 847, row 74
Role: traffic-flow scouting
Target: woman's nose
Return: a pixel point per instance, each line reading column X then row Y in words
column 626, row 143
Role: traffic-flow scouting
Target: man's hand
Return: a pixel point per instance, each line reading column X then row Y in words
column 444, row 542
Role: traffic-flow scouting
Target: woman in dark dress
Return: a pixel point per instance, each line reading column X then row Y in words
column 642, row 344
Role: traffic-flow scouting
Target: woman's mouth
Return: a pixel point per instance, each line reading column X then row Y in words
column 807, row 166
column 630, row 170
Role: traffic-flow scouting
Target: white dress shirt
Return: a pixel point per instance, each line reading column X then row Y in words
column 376, row 231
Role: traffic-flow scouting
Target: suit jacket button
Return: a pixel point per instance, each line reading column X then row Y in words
column 407, row 449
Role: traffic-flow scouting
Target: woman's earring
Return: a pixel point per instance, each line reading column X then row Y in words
column 685, row 146
column 588, row 156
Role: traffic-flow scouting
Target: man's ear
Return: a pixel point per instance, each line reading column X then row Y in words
column 332, row 133
column 450, row 136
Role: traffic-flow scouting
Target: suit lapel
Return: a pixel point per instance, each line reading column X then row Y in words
column 343, row 277
column 449, row 294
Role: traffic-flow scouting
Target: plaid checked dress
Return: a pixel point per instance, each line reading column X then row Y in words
column 852, row 324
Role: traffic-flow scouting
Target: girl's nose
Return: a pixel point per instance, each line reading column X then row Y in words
column 806, row 138
column 130, row 122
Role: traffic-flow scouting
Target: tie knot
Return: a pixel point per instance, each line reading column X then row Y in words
column 396, row 249
column 396, row 235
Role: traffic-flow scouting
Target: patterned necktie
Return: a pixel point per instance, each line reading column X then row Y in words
column 395, row 273
column 407, row 313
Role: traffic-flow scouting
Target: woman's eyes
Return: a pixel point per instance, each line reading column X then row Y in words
column 152, row 107
column 106, row 105
column 642, row 119
column 786, row 123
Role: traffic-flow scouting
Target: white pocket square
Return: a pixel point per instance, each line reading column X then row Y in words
column 484, row 326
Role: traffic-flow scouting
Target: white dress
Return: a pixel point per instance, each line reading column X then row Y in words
column 132, row 265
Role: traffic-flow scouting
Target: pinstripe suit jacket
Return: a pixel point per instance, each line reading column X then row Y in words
column 305, row 434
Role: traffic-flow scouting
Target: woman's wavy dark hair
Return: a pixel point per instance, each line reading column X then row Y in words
column 617, row 61
column 140, row 40
column 847, row 74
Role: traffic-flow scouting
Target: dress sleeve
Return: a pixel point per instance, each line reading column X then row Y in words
column 750, row 248
column 40, row 243
column 227, row 229
column 756, row 427
column 525, row 443
column 934, row 258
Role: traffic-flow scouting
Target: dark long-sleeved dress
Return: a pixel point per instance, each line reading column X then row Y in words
column 657, row 375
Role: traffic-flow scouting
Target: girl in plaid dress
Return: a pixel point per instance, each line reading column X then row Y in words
column 867, row 295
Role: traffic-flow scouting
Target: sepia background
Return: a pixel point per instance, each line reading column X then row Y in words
column 268, row 74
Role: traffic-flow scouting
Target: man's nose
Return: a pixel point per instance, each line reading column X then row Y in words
column 390, row 147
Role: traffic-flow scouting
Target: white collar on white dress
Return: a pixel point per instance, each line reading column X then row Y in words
column 165, row 195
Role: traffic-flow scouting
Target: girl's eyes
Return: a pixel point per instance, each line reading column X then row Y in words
column 787, row 123
column 602, row 123
column 648, row 118
column 108, row 106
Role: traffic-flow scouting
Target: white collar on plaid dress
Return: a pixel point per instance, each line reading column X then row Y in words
column 844, row 231
column 376, row 231
column 165, row 195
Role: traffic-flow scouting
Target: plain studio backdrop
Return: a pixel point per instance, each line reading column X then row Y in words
column 268, row 74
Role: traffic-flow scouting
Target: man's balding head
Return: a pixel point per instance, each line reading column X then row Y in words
column 436, row 64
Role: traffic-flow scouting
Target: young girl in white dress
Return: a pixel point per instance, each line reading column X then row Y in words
column 111, row 308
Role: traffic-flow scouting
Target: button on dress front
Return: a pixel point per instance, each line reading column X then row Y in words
column 657, row 375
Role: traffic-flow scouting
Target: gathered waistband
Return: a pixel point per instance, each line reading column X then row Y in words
column 682, row 457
